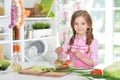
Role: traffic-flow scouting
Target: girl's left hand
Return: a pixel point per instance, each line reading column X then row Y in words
column 78, row 54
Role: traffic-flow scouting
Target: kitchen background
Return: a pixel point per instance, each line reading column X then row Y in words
column 106, row 25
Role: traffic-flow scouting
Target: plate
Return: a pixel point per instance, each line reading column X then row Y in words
column 4, row 71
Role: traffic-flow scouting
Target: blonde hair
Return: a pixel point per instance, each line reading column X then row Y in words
column 89, row 34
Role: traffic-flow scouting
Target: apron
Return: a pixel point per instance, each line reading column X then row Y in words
column 77, row 62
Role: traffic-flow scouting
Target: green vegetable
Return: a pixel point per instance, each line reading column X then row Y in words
column 4, row 64
column 98, row 76
column 112, row 70
column 41, row 25
column 42, row 69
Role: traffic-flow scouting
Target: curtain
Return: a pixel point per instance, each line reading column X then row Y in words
column 65, row 10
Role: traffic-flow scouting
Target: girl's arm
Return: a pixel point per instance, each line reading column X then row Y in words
column 61, row 51
column 65, row 48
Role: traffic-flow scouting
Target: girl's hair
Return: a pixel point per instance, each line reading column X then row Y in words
column 89, row 34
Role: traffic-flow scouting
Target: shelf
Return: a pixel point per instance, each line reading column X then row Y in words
column 8, row 35
column 3, row 16
column 4, row 41
column 15, row 41
column 52, row 37
column 38, row 18
column 4, row 34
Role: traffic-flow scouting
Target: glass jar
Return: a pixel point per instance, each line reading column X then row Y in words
column 16, row 59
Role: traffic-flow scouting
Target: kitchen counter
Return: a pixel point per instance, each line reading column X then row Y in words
column 10, row 75
column 16, row 76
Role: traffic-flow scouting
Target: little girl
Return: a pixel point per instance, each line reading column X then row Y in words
column 81, row 47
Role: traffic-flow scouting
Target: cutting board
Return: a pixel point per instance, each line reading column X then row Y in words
column 28, row 71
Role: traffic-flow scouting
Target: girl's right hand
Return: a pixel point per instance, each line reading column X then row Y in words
column 59, row 51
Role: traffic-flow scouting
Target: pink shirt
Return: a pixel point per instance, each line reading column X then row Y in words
column 80, row 44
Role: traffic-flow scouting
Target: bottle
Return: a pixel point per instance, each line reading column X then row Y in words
column 16, row 58
column 15, row 33
column 28, row 32
column 1, row 7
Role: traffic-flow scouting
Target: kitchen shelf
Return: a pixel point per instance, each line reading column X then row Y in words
column 16, row 41
column 41, row 18
column 52, row 37
column 3, row 17
column 8, row 35
column 4, row 41
column 4, row 34
column 49, row 40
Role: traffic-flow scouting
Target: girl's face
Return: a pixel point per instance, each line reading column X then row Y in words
column 80, row 26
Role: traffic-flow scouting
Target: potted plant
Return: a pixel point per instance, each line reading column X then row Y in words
column 41, row 29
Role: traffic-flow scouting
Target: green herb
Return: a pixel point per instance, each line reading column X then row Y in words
column 40, row 25
column 75, row 70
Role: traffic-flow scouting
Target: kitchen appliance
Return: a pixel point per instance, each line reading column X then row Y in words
column 35, row 49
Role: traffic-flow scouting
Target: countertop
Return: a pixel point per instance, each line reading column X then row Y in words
column 10, row 75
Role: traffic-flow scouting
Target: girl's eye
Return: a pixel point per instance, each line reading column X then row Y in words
column 83, row 23
column 76, row 24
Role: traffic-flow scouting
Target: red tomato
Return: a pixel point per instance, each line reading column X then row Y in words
column 96, row 71
column 67, row 62
column 64, row 65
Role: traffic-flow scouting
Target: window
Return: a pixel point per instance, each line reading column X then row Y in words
column 116, row 29
column 106, row 28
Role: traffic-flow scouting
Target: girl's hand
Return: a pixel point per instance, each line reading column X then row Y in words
column 59, row 51
column 78, row 54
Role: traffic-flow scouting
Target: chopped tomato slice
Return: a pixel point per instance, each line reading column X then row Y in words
column 64, row 65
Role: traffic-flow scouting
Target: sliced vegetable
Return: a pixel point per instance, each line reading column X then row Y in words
column 67, row 62
column 62, row 64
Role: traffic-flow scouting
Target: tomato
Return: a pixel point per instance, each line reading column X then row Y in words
column 96, row 72
column 67, row 62
column 64, row 65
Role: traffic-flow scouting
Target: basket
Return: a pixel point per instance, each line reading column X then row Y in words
column 35, row 12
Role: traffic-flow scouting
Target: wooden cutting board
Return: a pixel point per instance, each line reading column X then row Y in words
column 28, row 71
